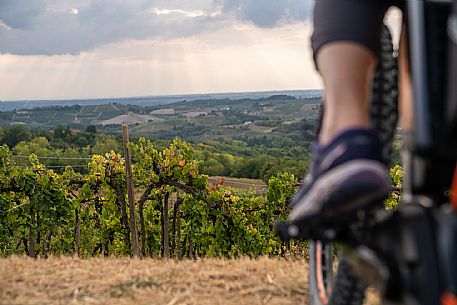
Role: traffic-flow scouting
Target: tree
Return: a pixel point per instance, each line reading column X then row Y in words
column 59, row 131
column 104, row 144
column 2, row 135
column 16, row 134
column 39, row 146
column 91, row 129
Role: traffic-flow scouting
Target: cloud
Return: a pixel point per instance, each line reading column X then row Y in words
column 53, row 27
column 269, row 13
column 20, row 14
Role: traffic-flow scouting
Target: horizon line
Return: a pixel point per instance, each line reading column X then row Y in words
column 159, row 95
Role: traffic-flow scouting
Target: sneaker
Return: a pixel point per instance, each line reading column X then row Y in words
column 346, row 175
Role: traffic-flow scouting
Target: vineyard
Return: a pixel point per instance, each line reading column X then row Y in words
column 177, row 212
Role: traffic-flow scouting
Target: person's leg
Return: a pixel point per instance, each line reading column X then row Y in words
column 347, row 172
column 405, row 93
column 347, row 71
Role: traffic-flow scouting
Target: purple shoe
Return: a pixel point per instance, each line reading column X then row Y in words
column 346, row 175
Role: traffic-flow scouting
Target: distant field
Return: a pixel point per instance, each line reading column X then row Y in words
column 196, row 120
column 255, row 185
column 261, row 129
column 241, row 183
column 130, row 119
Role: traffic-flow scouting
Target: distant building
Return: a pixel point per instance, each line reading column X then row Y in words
column 73, row 131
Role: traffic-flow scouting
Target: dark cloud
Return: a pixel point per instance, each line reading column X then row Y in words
column 51, row 27
column 20, row 14
column 269, row 13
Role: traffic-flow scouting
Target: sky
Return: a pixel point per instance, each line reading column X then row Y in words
column 71, row 49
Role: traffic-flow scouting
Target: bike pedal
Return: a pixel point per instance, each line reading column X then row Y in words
column 303, row 231
column 288, row 231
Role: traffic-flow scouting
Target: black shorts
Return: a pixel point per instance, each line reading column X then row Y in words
column 357, row 21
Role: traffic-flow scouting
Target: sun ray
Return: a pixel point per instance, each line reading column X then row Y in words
column 237, row 58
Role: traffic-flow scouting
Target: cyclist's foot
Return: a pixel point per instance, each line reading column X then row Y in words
column 346, row 175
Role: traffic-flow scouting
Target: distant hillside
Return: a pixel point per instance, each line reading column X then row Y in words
column 249, row 119
column 154, row 100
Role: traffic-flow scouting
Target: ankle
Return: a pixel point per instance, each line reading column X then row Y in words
column 361, row 142
column 325, row 137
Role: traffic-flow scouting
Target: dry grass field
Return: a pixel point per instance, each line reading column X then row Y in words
column 126, row 281
column 131, row 281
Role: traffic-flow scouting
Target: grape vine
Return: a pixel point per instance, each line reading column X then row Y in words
column 178, row 212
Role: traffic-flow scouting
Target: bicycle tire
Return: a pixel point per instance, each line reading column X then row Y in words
column 384, row 100
column 326, row 288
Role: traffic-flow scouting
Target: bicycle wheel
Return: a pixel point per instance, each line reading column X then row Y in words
column 384, row 100
column 321, row 272
column 343, row 288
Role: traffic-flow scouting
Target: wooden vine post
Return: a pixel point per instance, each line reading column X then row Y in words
column 130, row 193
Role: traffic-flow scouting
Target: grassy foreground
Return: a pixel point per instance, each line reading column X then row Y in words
column 131, row 281
column 116, row 281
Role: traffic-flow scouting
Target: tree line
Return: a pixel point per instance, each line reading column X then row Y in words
column 248, row 157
